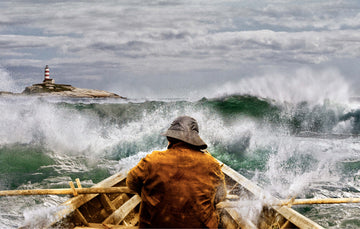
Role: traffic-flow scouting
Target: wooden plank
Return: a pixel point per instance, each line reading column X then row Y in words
column 326, row 201
column 73, row 191
column 105, row 226
column 78, row 183
column 296, row 218
column 232, row 197
column 135, row 219
column 231, row 204
column 75, row 202
column 227, row 222
column 120, row 200
column 107, row 203
column 290, row 214
column 244, row 182
column 72, row 186
column 285, row 225
column 243, row 223
column 117, row 202
column 120, row 214
column 81, row 218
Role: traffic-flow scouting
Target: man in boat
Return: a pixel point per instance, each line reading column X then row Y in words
column 180, row 186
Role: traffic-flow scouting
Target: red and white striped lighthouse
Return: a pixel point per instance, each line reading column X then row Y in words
column 47, row 73
column 47, row 76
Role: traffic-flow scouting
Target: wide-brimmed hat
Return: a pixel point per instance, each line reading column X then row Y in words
column 186, row 129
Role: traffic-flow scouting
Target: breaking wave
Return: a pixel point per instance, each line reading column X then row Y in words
column 289, row 143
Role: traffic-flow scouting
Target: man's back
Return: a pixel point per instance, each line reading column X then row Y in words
column 179, row 188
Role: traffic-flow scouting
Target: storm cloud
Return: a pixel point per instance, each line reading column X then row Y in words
column 171, row 48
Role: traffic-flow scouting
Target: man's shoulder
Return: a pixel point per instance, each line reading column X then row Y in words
column 157, row 152
column 213, row 160
column 155, row 155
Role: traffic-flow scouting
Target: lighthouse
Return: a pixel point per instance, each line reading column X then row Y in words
column 47, row 72
column 47, row 76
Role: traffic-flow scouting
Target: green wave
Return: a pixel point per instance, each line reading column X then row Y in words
column 235, row 105
column 20, row 164
column 28, row 164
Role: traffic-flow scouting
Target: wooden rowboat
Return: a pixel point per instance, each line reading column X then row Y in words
column 121, row 210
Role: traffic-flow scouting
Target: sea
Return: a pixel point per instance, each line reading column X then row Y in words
column 291, row 148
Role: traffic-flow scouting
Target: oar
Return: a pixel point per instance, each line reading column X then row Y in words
column 66, row 191
column 324, row 201
column 295, row 202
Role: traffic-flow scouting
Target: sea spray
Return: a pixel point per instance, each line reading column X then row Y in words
column 7, row 83
column 304, row 84
column 34, row 211
column 64, row 129
column 249, row 210
column 42, row 217
column 299, row 163
column 92, row 139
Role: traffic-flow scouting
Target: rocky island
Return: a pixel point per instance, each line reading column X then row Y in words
column 67, row 91
column 48, row 87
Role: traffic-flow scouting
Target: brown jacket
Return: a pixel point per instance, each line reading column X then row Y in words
column 179, row 187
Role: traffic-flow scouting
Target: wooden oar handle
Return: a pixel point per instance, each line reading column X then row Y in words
column 325, row 201
column 66, row 191
column 234, row 204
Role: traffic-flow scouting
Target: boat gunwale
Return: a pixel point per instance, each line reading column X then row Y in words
column 75, row 202
column 287, row 212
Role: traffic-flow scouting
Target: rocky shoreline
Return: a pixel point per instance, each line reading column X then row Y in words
column 63, row 90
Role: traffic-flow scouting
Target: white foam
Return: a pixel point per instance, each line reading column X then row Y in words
column 299, row 163
column 303, row 84
column 68, row 131
column 7, row 83
column 41, row 216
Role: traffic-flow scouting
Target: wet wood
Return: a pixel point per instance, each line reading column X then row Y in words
column 121, row 210
column 241, row 222
column 134, row 220
column 107, row 203
column 81, row 218
column 93, row 190
column 297, row 219
column 227, row 204
column 72, row 186
column 294, row 217
column 120, row 214
column 69, row 206
column 78, row 183
column 105, row 226
column 326, row 201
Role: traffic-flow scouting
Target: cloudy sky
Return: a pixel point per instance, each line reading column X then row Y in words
column 179, row 48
